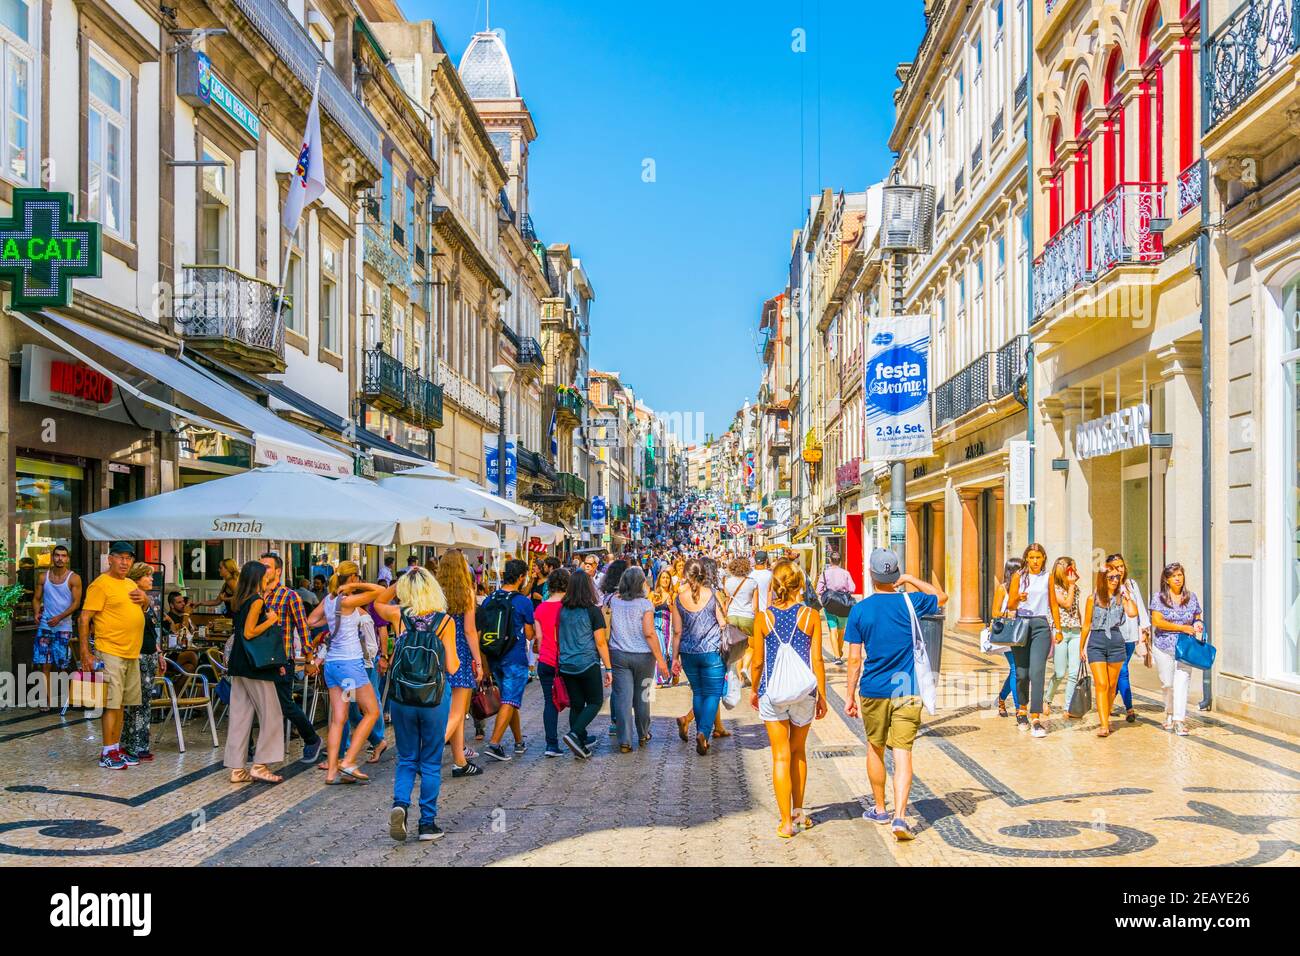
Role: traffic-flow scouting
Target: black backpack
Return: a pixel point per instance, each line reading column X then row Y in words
column 417, row 676
column 495, row 622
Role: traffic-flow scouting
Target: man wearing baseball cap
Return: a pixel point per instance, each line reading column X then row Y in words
column 879, row 639
column 114, row 607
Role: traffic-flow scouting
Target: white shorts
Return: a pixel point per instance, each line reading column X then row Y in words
column 800, row 713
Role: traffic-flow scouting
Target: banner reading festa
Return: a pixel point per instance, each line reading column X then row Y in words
column 896, row 381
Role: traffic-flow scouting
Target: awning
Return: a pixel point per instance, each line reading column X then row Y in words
column 274, row 440
column 335, row 422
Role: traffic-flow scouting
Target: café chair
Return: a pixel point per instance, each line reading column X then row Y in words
column 195, row 691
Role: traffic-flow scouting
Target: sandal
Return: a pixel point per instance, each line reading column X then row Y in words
column 262, row 774
column 355, row 774
column 783, row 835
column 377, row 752
column 1130, row 716
column 1169, row 722
column 682, row 724
column 722, row 733
column 803, row 821
column 1104, row 732
column 338, row 780
column 701, row 745
column 1002, row 708
column 241, row 776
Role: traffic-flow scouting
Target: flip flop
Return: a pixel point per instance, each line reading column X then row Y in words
column 338, row 780
column 355, row 774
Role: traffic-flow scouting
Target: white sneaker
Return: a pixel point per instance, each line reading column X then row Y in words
column 1038, row 730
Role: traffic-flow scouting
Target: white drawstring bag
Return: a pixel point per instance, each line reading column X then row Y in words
column 789, row 679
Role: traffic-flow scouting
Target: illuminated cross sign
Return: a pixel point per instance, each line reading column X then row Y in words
column 42, row 249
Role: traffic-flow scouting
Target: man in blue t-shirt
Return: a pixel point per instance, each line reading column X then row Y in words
column 511, row 670
column 879, row 636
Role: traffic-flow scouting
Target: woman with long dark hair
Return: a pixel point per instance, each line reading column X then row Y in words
column 1030, row 596
column 1174, row 610
column 662, row 598
column 1104, row 616
column 1068, row 627
column 547, row 620
column 1137, row 632
column 1010, row 569
column 697, row 650
column 453, row 576
column 583, row 652
column 252, row 689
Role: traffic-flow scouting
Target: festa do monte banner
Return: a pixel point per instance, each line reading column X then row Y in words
column 896, row 384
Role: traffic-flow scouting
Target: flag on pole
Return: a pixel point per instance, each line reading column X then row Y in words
column 308, row 180
column 555, row 439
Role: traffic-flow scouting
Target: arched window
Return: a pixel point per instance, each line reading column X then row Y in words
column 1113, row 144
column 1151, row 102
column 1055, row 191
column 1082, row 159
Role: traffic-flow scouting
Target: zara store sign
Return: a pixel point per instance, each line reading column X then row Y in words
column 1119, row 431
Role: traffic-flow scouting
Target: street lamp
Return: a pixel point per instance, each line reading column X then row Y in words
column 503, row 377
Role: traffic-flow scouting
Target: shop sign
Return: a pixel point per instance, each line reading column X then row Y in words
column 829, row 531
column 42, row 249
column 61, row 381
column 1019, row 454
column 1118, row 431
column 975, row 450
column 896, row 390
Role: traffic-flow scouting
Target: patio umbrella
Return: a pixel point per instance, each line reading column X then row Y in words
column 416, row 524
column 434, row 488
column 279, row 503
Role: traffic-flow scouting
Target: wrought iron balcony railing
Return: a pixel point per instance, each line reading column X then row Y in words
column 964, row 392
column 222, row 310
column 571, row 485
column 1254, row 44
column 1064, row 262
column 1009, row 366
column 1189, row 188
column 1121, row 226
column 511, row 336
column 1022, row 91
column 529, row 351
column 959, row 183
column 998, row 124
column 976, row 157
column 383, row 379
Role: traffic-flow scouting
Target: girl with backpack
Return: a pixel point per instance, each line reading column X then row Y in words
column 789, row 689
column 457, row 585
column 420, row 701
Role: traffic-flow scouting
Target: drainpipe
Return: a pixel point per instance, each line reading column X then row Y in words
column 1203, row 268
column 1029, row 264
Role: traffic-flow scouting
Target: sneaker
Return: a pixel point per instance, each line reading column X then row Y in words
column 902, row 832
column 112, row 761
column 496, row 752
column 877, row 816
column 129, row 759
column 1039, row 730
column 552, row 751
column 469, row 770
column 430, row 832
column 1022, row 722
column 576, row 745
column 311, row 752
column 521, row 746
column 397, row 824
column 144, row 756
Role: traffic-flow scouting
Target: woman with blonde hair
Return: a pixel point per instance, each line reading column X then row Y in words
column 662, row 599
column 697, row 649
column 453, row 576
column 421, row 730
column 345, row 654
column 787, row 620
column 228, row 570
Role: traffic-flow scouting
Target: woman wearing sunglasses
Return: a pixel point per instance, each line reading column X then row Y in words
column 1105, row 613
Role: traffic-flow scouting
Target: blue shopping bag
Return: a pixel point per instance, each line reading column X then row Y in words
column 1195, row 652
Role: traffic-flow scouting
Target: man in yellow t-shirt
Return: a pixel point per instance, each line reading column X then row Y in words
column 114, row 606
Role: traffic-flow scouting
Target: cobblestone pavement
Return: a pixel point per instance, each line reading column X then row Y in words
column 985, row 793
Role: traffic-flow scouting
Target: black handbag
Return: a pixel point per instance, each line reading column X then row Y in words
column 266, row 651
column 1080, row 701
column 1009, row 631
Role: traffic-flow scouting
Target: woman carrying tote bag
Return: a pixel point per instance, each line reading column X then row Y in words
column 252, row 683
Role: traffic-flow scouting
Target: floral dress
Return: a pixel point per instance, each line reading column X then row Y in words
column 663, row 627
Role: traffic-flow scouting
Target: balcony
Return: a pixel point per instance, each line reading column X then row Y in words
column 846, row 476
column 529, row 352
column 511, row 336
column 467, row 395
column 231, row 317
column 989, row 378
column 1189, row 188
column 998, row 123
column 568, row 407
column 940, row 208
column 1022, row 91
column 1255, row 44
column 1063, row 264
column 403, row 392
column 976, row 157
column 959, row 183
column 571, row 485
column 1121, row 226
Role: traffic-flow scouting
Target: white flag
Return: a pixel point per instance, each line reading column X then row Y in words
column 308, row 180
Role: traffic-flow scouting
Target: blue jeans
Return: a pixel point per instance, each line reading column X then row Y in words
column 1009, row 685
column 420, row 732
column 1122, row 685
column 707, row 674
column 354, row 717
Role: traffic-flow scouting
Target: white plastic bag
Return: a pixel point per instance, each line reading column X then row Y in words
column 925, row 683
column 731, row 695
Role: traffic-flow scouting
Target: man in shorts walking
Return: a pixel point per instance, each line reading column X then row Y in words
column 55, row 603
column 887, row 695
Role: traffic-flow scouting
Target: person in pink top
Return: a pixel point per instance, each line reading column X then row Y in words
column 835, row 578
column 547, row 618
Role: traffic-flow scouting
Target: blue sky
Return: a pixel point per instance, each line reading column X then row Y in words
column 711, row 93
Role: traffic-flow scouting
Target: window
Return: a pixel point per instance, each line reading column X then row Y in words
column 397, row 205
column 1000, row 256
column 107, row 142
column 330, row 318
column 296, row 308
column 373, row 307
column 216, row 209
column 18, row 41
column 417, row 346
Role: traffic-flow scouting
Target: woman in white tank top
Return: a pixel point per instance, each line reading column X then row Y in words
column 1031, row 598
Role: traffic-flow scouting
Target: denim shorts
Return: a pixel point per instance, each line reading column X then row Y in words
column 52, row 647
column 1105, row 647
column 511, row 677
column 349, row 675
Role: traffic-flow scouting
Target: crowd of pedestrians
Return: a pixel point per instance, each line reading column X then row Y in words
column 431, row 648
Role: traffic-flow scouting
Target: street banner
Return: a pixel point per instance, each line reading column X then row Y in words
column 897, row 388
column 512, row 465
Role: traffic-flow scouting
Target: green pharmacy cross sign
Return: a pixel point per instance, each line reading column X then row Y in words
column 42, row 249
